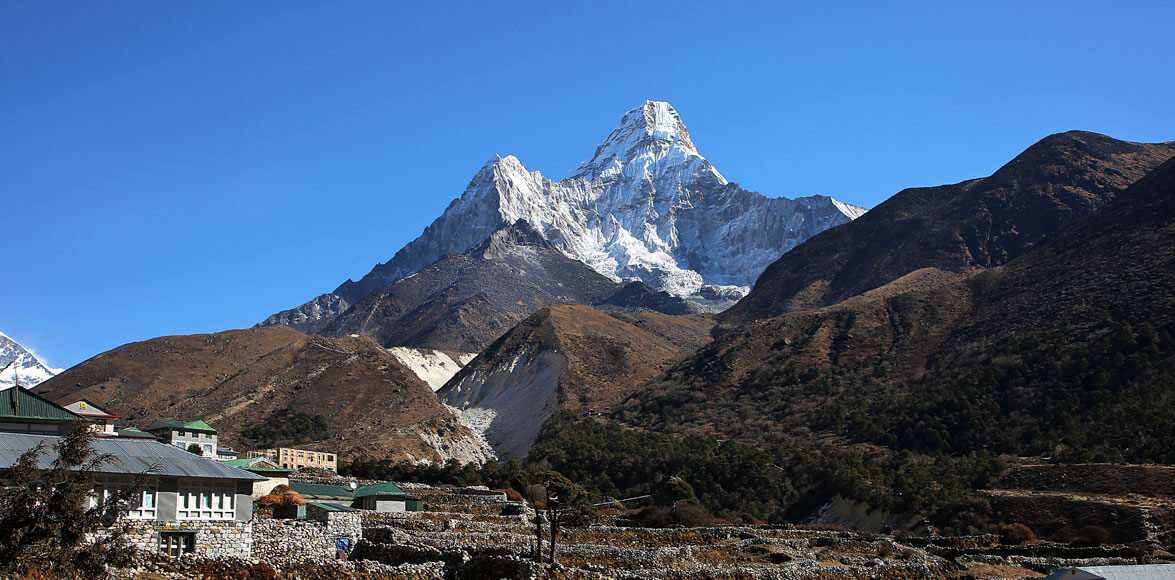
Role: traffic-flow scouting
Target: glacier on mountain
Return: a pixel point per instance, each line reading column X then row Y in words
column 646, row 206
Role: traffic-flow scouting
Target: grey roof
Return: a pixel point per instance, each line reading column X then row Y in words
column 1138, row 572
column 132, row 456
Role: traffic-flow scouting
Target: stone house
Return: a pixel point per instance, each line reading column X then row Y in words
column 184, row 434
column 188, row 504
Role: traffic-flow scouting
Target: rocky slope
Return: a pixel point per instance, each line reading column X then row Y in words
column 1065, row 350
column 973, row 224
column 434, row 367
column 566, row 358
column 646, row 206
column 346, row 395
column 463, row 302
column 20, row 364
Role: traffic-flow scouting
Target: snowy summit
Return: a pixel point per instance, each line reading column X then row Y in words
column 22, row 365
column 646, row 206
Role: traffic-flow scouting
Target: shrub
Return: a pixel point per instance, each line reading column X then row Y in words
column 1016, row 534
column 281, row 496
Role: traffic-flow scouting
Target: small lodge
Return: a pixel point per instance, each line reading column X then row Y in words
column 103, row 421
column 377, row 497
column 273, row 473
column 186, row 434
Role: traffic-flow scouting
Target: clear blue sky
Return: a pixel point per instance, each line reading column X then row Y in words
column 182, row 167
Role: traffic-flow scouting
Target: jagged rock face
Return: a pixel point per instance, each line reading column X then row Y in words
column 312, row 316
column 22, row 365
column 646, row 206
column 463, row 302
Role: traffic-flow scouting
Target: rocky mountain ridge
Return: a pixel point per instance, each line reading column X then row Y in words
column 647, row 206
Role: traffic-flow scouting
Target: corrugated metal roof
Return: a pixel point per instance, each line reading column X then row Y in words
column 321, row 490
column 256, row 464
column 379, row 489
column 1130, row 572
column 133, row 433
column 133, row 456
column 18, row 402
column 169, row 424
column 331, row 507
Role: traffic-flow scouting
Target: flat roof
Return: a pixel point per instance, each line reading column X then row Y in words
column 129, row 456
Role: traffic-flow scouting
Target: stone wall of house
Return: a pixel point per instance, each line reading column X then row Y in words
column 213, row 538
column 283, row 542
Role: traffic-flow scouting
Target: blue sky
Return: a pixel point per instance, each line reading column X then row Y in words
column 182, row 167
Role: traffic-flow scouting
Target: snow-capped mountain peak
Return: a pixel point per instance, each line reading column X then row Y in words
column 22, row 365
column 653, row 131
column 646, row 206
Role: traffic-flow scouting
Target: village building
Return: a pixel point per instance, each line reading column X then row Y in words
column 23, row 411
column 103, row 422
column 377, row 497
column 226, row 454
column 188, row 504
column 273, row 473
column 299, row 458
column 185, row 434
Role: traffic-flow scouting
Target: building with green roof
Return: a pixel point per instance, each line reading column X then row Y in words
column 23, row 411
column 379, row 497
column 186, row 434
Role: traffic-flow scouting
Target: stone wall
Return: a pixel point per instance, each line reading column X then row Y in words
column 284, row 542
column 213, row 538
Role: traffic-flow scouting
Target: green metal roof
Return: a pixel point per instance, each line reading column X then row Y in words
column 170, row 424
column 321, row 490
column 256, row 465
column 132, row 433
column 331, row 507
column 379, row 489
column 20, row 403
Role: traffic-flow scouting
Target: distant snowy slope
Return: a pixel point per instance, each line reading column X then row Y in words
column 25, row 366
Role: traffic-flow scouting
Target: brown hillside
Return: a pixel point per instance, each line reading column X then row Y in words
column 568, row 358
column 241, row 379
column 1068, row 350
column 955, row 228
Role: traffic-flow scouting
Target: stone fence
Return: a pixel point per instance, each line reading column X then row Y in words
column 286, row 542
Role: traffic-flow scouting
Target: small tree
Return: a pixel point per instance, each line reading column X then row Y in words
column 46, row 513
column 536, row 495
column 195, row 449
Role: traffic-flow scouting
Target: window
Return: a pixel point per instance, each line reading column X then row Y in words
column 140, row 508
column 176, row 544
column 206, row 500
